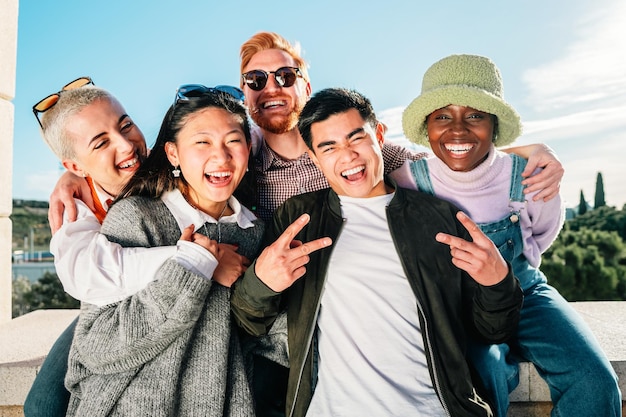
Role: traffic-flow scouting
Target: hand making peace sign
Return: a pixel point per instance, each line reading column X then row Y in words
column 283, row 262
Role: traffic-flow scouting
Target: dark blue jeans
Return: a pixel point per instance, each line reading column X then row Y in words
column 553, row 336
column 48, row 396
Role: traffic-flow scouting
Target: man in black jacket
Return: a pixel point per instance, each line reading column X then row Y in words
column 378, row 321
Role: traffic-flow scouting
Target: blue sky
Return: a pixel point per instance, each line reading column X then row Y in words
column 563, row 65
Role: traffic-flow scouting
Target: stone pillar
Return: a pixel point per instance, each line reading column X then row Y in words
column 8, row 56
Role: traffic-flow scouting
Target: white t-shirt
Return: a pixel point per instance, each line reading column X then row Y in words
column 371, row 354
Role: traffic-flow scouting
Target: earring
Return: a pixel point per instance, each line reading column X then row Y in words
column 176, row 171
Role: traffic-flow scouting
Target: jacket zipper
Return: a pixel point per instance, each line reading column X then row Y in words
column 432, row 358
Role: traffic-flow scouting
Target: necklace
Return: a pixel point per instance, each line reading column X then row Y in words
column 219, row 231
column 206, row 231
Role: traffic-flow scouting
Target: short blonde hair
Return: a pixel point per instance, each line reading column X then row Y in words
column 54, row 120
column 263, row 41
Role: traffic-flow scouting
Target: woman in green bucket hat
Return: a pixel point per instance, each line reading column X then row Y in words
column 462, row 115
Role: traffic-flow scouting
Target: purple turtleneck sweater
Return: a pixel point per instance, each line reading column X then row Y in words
column 483, row 193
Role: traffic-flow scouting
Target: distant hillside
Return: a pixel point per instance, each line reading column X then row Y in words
column 30, row 217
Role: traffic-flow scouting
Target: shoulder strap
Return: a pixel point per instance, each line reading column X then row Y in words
column 421, row 175
column 516, row 191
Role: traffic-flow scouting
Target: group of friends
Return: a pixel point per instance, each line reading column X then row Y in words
column 271, row 255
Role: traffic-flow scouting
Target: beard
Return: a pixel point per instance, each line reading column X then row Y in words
column 278, row 124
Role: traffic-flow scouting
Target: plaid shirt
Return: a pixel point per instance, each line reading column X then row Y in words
column 278, row 179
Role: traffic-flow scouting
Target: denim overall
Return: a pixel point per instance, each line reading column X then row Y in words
column 550, row 334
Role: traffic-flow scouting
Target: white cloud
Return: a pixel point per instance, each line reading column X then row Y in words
column 393, row 119
column 592, row 71
column 582, row 99
column 594, row 123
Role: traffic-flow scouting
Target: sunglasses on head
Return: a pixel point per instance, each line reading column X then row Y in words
column 49, row 102
column 284, row 76
column 187, row 92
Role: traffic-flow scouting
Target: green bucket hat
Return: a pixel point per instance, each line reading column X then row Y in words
column 462, row 80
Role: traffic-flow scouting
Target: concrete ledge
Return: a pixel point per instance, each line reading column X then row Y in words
column 532, row 397
column 25, row 341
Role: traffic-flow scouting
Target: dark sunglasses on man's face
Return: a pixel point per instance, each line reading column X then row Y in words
column 187, row 92
column 284, row 76
column 49, row 102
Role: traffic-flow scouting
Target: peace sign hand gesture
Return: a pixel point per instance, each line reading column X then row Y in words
column 480, row 258
column 283, row 262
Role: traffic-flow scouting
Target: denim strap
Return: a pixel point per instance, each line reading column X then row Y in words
column 421, row 175
column 516, row 192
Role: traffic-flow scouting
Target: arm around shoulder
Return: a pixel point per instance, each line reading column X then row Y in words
column 121, row 336
column 97, row 271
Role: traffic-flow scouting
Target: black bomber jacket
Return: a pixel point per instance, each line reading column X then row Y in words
column 463, row 307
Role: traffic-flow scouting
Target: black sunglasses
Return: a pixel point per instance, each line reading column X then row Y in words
column 284, row 76
column 187, row 92
column 49, row 102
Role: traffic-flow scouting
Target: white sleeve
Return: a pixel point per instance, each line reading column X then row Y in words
column 97, row 271
column 195, row 258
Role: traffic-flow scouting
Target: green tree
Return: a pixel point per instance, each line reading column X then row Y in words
column 605, row 218
column 46, row 293
column 599, row 197
column 587, row 265
column 582, row 204
column 21, row 287
column 30, row 222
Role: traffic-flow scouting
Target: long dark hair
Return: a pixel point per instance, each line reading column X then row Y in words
column 154, row 176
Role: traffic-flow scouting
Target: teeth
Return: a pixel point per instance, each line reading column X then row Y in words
column 218, row 174
column 273, row 103
column 129, row 163
column 352, row 171
column 459, row 148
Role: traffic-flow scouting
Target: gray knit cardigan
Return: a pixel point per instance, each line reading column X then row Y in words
column 169, row 350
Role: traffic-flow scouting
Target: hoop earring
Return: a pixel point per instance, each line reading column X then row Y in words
column 176, row 171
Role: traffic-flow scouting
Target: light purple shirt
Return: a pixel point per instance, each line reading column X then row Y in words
column 483, row 194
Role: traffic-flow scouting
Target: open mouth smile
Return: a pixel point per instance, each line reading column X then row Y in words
column 129, row 163
column 459, row 149
column 274, row 104
column 353, row 173
column 219, row 177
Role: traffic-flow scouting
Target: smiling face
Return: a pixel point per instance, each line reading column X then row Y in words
column 212, row 152
column 108, row 146
column 460, row 136
column 275, row 108
column 348, row 152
